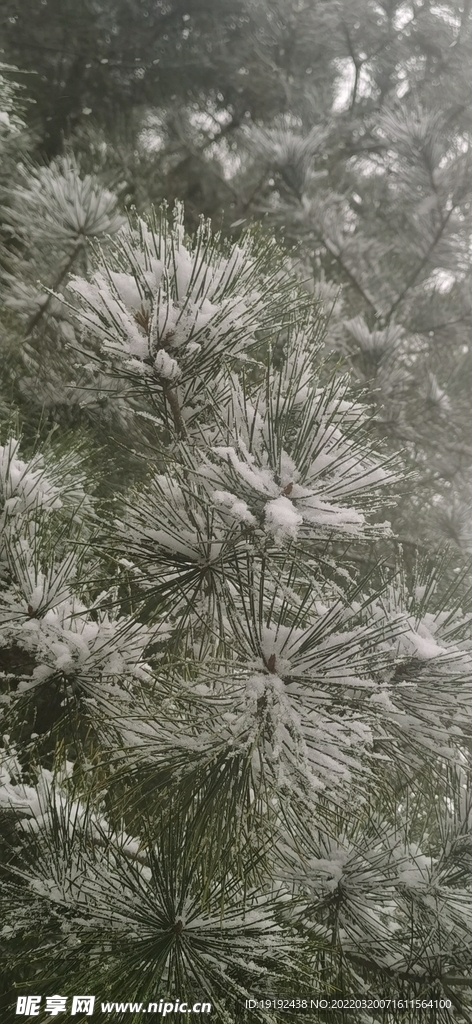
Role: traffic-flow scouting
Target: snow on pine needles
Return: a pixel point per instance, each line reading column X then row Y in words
column 244, row 695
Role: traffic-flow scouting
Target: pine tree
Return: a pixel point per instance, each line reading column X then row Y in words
column 110, row 60
column 347, row 124
column 14, row 141
column 52, row 214
column 235, row 765
column 371, row 178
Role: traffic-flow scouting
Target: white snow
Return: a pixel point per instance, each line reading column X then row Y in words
column 166, row 367
column 282, row 519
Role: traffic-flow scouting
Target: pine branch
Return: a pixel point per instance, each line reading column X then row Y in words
column 172, row 398
column 422, row 264
column 351, row 276
column 357, row 66
column 35, row 319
